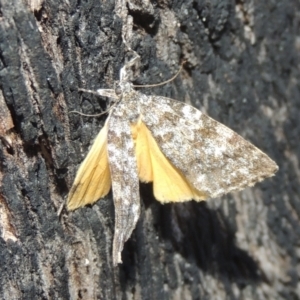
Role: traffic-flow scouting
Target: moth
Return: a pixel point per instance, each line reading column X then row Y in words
column 186, row 154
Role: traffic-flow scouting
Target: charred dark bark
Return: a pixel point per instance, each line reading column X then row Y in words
column 242, row 69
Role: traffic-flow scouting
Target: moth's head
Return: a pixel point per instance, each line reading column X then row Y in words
column 122, row 87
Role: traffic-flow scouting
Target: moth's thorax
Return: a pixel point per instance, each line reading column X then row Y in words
column 128, row 106
column 122, row 87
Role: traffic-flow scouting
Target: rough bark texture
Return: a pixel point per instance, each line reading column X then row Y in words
column 242, row 69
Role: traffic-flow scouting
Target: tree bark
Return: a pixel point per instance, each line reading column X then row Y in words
column 242, row 68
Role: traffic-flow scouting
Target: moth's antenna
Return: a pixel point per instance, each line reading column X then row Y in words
column 161, row 83
column 87, row 115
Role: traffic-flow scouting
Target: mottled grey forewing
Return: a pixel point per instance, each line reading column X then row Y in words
column 125, row 181
column 215, row 159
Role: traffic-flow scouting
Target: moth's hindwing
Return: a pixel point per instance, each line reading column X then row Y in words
column 169, row 184
column 93, row 179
